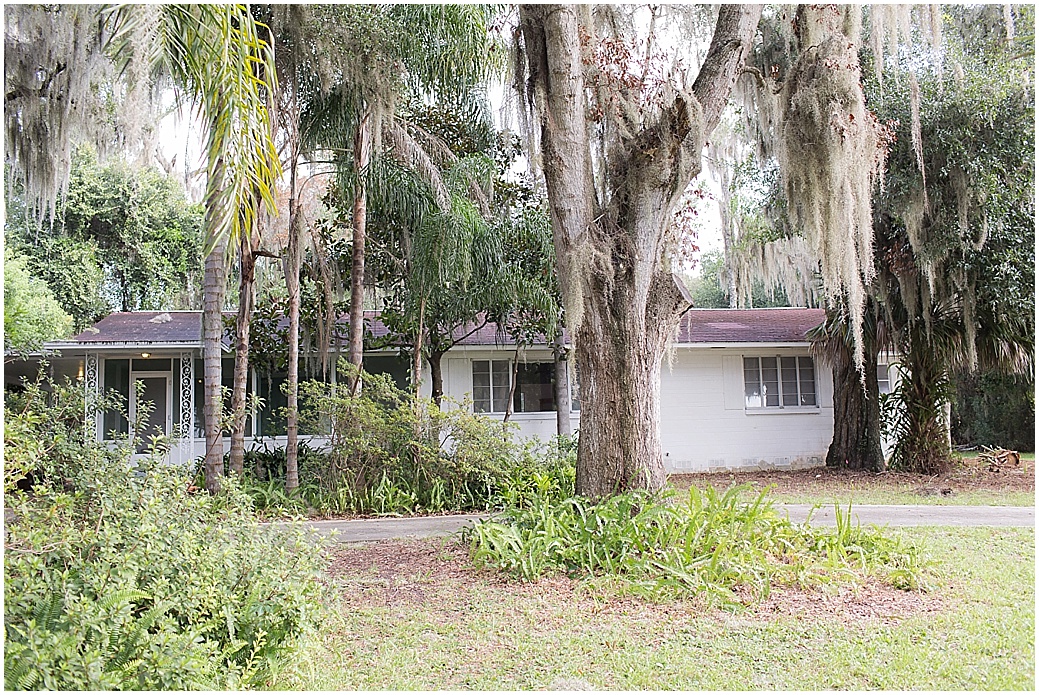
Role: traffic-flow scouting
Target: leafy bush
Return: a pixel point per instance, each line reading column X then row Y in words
column 44, row 432
column 117, row 577
column 391, row 453
column 712, row 544
column 993, row 409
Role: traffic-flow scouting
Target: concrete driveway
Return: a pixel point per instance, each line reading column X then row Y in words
column 361, row 530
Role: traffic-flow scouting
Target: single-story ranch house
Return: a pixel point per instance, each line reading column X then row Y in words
column 739, row 391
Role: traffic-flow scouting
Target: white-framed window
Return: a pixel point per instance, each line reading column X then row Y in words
column 779, row 382
column 884, row 377
column 491, row 385
column 534, row 392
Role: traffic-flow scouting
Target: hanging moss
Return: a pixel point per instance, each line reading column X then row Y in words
column 831, row 152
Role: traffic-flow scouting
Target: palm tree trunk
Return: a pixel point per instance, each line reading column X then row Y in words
column 362, row 153
column 292, row 264
column 214, row 283
column 416, row 357
column 246, row 300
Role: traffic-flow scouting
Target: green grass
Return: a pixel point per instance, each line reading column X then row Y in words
column 436, row 630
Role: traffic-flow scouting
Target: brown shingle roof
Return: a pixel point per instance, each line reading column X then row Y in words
column 697, row 326
column 748, row 325
column 145, row 327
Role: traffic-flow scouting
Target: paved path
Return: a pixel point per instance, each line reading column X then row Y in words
column 359, row 530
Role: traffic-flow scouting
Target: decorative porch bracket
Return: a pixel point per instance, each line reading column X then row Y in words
column 91, row 390
column 186, row 392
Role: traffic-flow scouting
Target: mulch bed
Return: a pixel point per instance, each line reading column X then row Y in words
column 435, row 575
column 967, row 475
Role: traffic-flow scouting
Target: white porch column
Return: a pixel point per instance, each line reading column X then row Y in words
column 91, row 389
column 186, row 398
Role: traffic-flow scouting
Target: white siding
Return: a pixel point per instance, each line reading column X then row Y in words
column 460, row 384
column 705, row 427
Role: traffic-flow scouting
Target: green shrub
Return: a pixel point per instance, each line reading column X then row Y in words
column 391, row 453
column 711, row 544
column 993, row 409
column 117, row 577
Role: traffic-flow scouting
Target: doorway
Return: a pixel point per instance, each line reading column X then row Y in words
column 156, row 394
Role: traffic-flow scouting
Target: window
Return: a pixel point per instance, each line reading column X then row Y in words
column 491, row 384
column 534, row 393
column 779, row 382
column 884, row 378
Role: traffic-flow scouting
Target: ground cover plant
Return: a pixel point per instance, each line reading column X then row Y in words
column 414, row 614
column 709, row 543
column 116, row 576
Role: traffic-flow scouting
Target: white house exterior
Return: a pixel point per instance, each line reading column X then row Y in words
column 739, row 391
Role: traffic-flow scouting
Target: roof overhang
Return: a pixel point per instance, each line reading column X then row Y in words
column 764, row 345
column 103, row 346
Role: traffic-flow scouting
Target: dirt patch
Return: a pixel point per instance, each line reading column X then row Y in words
column 434, row 575
column 967, row 475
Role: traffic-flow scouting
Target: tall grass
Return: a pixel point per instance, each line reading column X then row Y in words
column 708, row 543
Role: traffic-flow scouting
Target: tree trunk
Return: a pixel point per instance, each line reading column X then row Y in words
column 562, row 388
column 246, row 300
column 924, row 448
column 512, row 386
column 416, row 355
column 292, row 264
column 856, row 412
column 214, row 285
column 362, row 152
column 617, row 286
column 436, row 376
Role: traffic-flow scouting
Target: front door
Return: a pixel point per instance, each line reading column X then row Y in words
column 155, row 393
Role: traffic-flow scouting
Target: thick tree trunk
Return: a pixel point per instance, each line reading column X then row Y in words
column 856, row 412
column 214, row 285
column 362, row 153
column 616, row 282
column 246, row 300
column 562, row 388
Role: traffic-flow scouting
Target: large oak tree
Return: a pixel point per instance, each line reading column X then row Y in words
column 612, row 215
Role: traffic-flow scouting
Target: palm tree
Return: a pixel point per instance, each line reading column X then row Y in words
column 213, row 53
column 348, row 65
column 954, row 230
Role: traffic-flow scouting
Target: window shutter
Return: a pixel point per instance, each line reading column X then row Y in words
column 732, row 378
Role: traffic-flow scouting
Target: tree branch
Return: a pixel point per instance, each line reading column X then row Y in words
column 727, row 54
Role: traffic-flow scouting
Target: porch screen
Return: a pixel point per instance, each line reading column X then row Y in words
column 779, row 382
column 117, row 379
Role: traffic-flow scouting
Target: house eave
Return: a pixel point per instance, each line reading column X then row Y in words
column 803, row 344
column 104, row 346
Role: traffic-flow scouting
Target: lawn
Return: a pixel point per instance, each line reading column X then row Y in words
column 414, row 615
